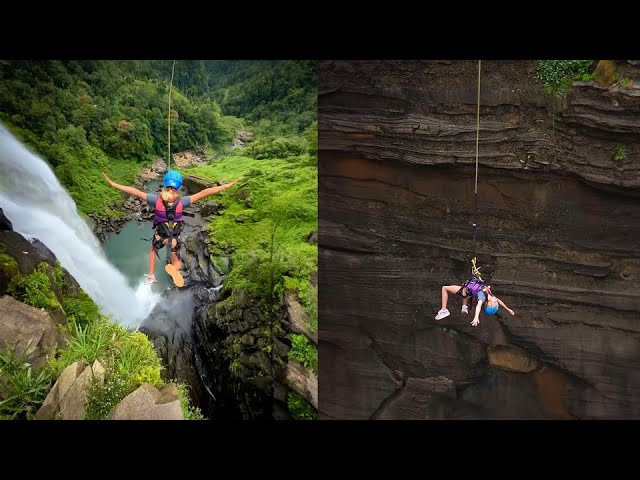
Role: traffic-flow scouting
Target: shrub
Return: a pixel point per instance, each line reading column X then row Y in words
column 606, row 73
column 620, row 153
column 558, row 75
column 189, row 412
column 21, row 390
column 34, row 289
column 303, row 351
column 299, row 408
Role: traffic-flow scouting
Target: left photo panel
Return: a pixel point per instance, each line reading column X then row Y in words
column 158, row 240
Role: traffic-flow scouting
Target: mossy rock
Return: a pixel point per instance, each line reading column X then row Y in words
column 35, row 289
column 221, row 264
column 8, row 270
column 606, row 73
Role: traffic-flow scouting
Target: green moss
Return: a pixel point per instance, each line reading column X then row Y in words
column 268, row 240
column 9, row 266
column 299, row 408
column 222, row 264
column 35, row 289
column 620, row 153
column 58, row 274
column 81, row 308
column 304, row 351
column 606, row 73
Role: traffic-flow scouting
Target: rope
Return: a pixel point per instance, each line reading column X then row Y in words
column 478, row 126
column 474, row 270
column 169, row 118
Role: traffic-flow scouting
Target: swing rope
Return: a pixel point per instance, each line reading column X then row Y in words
column 474, row 270
column 169, row 118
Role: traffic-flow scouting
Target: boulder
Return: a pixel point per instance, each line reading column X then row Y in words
column 149, row 403
column 29, row 330
column 209, row 208
column 67, row 400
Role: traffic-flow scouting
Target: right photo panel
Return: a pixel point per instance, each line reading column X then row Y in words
column 479, row 239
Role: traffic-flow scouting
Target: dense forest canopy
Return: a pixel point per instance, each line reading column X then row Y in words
column 89, row 116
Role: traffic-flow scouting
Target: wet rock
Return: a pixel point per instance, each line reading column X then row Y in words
column 209, row 208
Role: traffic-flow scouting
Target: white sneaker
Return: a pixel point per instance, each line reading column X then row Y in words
column 465, row 308
column 443, row 313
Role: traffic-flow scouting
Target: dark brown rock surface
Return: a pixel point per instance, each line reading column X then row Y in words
column 558, row 240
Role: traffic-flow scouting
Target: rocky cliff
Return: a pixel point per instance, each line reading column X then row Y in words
column 558, row 239
column 230, row 348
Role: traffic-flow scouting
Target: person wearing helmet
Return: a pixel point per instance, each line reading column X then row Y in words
column 168, row 220
column 474, row 288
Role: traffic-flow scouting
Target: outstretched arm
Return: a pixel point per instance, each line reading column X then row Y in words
column 212, row 190
column 476, row 318
column 125, row 189
column 502, row 304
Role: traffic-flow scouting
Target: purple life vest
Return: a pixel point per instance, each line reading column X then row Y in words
column 474, row 286
column 168, row 211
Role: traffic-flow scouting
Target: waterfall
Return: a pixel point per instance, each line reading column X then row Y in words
column 39, row 207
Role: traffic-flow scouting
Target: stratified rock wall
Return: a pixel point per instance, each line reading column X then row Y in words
column 558, row 239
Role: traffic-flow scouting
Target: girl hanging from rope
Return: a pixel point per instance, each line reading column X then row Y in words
column 474, row 288
column 168, row 219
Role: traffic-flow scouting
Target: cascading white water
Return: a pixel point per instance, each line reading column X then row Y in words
column 39, row 207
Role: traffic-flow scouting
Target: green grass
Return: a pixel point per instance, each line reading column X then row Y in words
column 270, row 243
column 129, row 358
column 304, row 351
column 190, row 412
column 87, row 344
column 22, row 391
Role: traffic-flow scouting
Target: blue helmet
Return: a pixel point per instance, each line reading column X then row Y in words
column 491, row 310
column 173, row 179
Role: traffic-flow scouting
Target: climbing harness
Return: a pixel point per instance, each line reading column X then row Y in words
column 167, row 224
